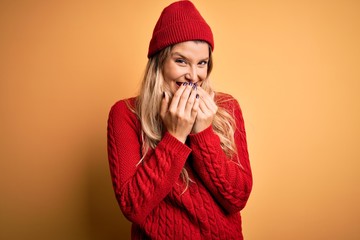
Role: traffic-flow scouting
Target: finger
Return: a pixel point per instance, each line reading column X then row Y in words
column 212, row 102
column 203, row 107
column 164, row 105
column 190, row 102
column 203, row 94
column 208, row 99
column 184, row 97
column 212, row 95
column 195, row 109
column 176, row 98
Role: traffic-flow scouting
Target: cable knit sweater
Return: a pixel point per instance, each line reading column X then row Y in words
column 150, row 194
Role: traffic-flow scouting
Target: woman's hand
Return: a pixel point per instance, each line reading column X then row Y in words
column 179, row 115
column 206, row 112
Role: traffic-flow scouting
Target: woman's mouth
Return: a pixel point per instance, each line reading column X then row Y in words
column 181, row 83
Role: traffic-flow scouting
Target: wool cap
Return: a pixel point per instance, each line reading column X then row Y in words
column 179, row 22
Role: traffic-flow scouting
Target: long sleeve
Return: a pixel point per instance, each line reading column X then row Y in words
column 228, row 180
column 139, row 188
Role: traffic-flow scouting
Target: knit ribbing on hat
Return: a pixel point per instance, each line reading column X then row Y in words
column 179, row 22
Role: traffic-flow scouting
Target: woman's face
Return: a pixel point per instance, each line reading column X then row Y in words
column 187, row 62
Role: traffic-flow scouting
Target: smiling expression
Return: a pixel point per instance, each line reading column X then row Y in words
column 187, row 62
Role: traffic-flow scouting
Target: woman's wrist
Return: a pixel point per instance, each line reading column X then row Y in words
column 179, row 138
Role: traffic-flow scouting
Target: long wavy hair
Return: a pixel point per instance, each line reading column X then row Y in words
column 148, row 103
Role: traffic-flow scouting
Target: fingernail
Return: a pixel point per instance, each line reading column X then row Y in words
column 190, row 84
column 194, row 86
column 197, row 95
column 185, row 83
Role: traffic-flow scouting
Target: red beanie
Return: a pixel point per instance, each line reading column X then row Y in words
column 179, row 22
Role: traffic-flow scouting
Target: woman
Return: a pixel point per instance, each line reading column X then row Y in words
column 177, row 152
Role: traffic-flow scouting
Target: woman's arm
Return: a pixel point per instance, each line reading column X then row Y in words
column 139, row 188
column 228, row 180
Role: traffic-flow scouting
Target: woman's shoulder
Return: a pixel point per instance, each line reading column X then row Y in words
column 125, row 102
column 123, row 107
column 223, row 96
column 122, row 117
column 225, row 100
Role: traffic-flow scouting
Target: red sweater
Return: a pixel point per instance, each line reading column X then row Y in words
column 150, row 193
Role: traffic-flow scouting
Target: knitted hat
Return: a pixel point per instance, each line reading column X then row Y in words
column 179, row 22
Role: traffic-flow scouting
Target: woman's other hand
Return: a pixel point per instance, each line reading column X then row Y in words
column 179, row 115
column 206, row 112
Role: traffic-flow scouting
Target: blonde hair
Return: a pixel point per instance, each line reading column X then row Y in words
column 148, row 106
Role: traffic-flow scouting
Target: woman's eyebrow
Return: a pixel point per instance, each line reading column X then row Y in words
column 205, row 59
column 182, row 56
column 179, row 54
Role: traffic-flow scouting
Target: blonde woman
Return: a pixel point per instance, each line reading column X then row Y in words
column 177, row 152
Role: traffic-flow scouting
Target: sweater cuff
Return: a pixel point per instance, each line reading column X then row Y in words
column 206, row 136
column 171, row 143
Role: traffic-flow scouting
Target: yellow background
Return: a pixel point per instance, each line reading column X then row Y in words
column 293, row 65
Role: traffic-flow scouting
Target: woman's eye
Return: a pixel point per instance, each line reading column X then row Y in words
column 203, row 63
column 182, row 61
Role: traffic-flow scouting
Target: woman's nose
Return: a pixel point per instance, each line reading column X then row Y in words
column 191, row 75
